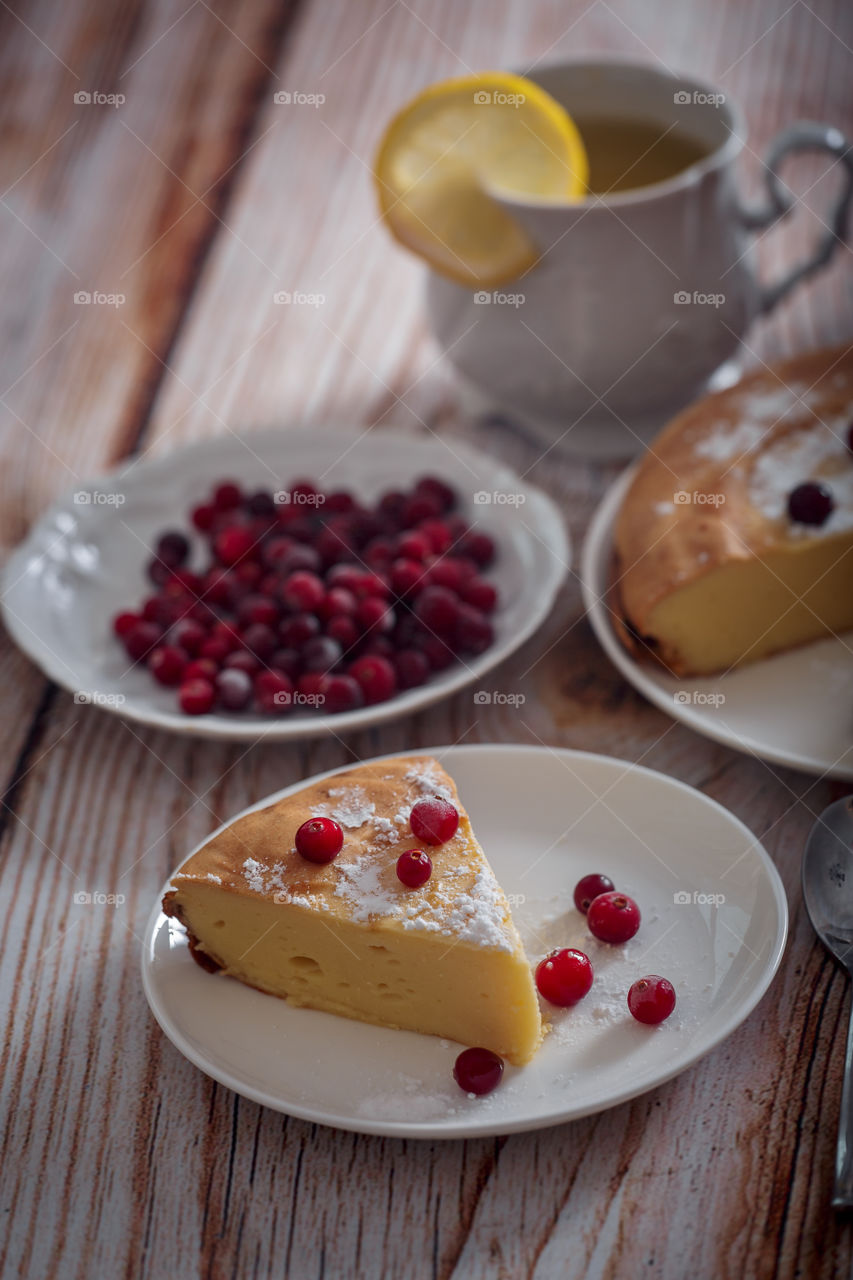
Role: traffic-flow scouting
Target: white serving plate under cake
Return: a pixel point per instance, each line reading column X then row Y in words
column 714, row 923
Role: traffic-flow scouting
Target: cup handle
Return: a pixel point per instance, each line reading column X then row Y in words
column 805, row 135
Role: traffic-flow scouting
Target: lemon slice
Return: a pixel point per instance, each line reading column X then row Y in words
column 454, row 148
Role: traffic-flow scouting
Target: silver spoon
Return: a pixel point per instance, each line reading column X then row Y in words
column 828, row 895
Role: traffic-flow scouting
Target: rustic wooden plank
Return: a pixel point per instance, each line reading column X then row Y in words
column 127, row 1159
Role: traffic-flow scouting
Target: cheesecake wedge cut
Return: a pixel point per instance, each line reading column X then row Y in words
column 348, row 937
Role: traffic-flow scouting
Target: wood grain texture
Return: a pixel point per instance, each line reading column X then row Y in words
column 121, row 1158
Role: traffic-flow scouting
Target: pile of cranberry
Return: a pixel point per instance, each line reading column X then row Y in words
column 313, row 600
column 565, row 976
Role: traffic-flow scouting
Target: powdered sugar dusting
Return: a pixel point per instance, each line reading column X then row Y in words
column 820, row 454
column 351, row 807
column 757, row 412
column 273, row 880
column 427, row 781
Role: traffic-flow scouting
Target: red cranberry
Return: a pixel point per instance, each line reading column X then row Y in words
column 275, row 551
column 479, row 593
column 371, row 584
column 434, row 821
column 233, row 543
column 216, row 586
column 473, row 633
column 378, row 646
column 437, row 489
column 309, row 686
column 340, row 693
column 411, row 667
column 203, row 517
column 390, row 508
column 346, row 575
column 257, row 608
column 449, row 572
column 227, row 633
column 304, row 493
column 478, row 1071
column 303, row 592
column 248, row 573
column 200, row 669
column 188, row 635
column 273, row 692
column 260, row 640
column 437, row 536
column 438, row 654
column 564, row 977
column 196, row 697
column 479, row 546
column 215, row 649
column 296, row 631
column 373, row 614
column 166, row 664
column 344, row 631
column 419, row 507
column 157, row 571
column 337, row 601
column 141, row 639
column 405, row 576
column 379, row 553
column 261, row 503
column 414, row 868
column 437, row 608
column 182, row 582
column 613, row 917
column 172, row 548
column 376, row 676
column 338, row 502
column 319, row 840
column 414, row 546
column 124, row 622
column 321, row 654
column 850, row 437
column 589, row 887
column 651, row 999
column 227, row 495
column 287, row 660
column 233, row 689
column 810, row 503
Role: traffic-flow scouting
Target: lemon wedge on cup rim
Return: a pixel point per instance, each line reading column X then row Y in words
column 447, row 153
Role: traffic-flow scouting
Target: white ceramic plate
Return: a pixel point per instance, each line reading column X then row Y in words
column 83, row 562
column 794, row 709
column 545, row 819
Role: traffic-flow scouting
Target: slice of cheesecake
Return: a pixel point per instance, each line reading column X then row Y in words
column 347, row 936
column 711, row 570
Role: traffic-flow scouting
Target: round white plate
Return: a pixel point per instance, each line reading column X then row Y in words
column 84, row 561
column 793, row 709
column 545, row 818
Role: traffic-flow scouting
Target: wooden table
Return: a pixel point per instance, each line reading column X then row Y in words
column 196, row 198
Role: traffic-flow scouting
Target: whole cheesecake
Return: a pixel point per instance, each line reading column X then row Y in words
column 348, row 936
column 735, row 538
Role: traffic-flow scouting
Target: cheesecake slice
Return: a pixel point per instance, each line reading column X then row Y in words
column 711, row 570
column 347, row 936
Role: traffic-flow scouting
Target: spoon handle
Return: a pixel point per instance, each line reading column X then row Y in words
column 842, row 1195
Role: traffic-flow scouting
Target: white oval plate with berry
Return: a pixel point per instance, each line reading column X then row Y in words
column 84, row 562
column 714, row 921
column 793, row 709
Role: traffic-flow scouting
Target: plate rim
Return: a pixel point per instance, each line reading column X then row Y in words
column 598, row 536
column 433, row 1130
column 257, row 729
